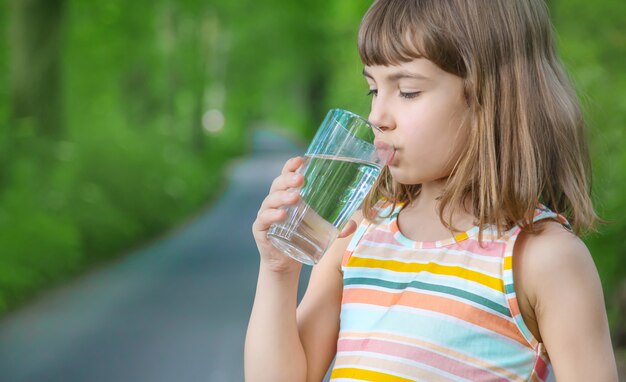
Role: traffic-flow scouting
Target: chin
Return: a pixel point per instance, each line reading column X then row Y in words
column 402, row 177
column 405, row 177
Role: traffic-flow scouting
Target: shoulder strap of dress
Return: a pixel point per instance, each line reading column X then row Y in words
column 356, row 238
column 364, row 226
column 542, row 212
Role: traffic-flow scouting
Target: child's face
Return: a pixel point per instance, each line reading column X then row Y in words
column 422, row 111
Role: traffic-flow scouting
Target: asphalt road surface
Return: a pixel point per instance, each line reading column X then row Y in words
column 174, row 311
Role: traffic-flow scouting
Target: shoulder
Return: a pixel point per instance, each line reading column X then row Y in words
column 556, row 278
column 550, row 256
column 563, row 295
column 552, row 250
column 554, row 275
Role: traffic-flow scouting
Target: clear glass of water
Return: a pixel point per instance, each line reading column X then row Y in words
column 341, row 165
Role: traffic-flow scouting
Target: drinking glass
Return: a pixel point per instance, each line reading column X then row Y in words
column 340, row 167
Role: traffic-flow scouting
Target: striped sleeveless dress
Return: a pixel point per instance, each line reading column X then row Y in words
column 434, row 311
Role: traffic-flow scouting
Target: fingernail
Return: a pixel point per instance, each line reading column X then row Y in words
column 295, row 177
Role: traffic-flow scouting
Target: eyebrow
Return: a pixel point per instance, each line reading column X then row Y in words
column 399, row 75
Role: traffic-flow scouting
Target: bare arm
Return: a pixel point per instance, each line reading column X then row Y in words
column 562, row 284
column 273, row 351
column 318, row 313
column 282, row 344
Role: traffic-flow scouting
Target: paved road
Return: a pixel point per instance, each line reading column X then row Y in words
column 174, row 311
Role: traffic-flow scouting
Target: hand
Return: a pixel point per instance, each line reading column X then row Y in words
column 283, row 192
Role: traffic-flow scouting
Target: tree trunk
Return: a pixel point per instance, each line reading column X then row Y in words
column 35, row 64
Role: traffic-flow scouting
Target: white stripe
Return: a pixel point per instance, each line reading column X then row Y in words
column 401, row 248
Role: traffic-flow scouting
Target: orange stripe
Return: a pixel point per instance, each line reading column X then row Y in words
column 437, row 304
column 514, row 306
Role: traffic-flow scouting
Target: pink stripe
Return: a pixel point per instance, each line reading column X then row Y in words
column 424, row 356
column 491, row 249
column 429, row 244
column 381, row 236
column 541, row 368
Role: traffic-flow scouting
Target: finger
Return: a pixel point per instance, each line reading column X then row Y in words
column 348, row 230
column 267, row 218
column 288, row 177
column 292, row 164
column 286, row 181
column 279, row 199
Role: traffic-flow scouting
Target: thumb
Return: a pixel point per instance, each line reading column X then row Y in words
column 348, row 229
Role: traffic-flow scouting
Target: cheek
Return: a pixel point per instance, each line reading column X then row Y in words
column 435, row 128
column 446, row 131
column 431, row 138
column 432, row 148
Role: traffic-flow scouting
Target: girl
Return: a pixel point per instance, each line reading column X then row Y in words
column 465, row 265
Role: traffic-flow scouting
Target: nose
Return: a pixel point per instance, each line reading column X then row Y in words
column 380, row 117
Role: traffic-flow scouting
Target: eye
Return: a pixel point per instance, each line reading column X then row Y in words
column 409, row 95
column 372, row 92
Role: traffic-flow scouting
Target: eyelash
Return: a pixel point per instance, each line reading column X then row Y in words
column 411, row 95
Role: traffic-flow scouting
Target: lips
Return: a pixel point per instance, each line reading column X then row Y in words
column 385, row 150
column 391, row 158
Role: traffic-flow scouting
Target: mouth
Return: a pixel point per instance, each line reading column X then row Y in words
column 390, row 161
column 386, row 151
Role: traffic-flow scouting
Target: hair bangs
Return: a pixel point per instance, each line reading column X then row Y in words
column 388, row 36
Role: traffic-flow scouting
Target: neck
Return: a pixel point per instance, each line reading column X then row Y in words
column 428, row 198
column 425, row 207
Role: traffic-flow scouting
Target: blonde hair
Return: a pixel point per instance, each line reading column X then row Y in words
column 526, row 141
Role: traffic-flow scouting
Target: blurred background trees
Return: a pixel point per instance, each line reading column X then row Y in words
column 117, row 118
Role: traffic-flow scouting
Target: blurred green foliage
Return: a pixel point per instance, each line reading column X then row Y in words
column 592, row 42
column 132, row 157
